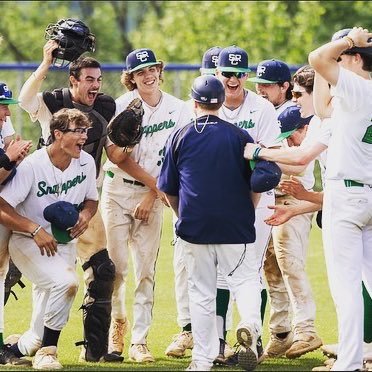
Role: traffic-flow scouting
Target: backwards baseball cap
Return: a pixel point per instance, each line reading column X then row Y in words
column 290, row 120
column 344, row 32
column 209, row 61
column 62, row 215
column 265, row 176
column 140, row 58
column 6, row 95
column 271, row 71
column 233, row 59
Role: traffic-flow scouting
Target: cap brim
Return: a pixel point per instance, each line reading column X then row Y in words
column 10, row 101
column 62, row 236
column 233, row 69
column 285, row 135
column 261, row 81
column 143, row 66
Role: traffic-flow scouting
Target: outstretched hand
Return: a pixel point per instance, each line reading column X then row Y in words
column 282, row 213
column 18, row 149
column 294, row 188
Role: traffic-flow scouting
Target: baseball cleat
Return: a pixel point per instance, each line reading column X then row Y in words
column 330, row 350
column 8, row 358
column 140, row 353
column 247, row 355
column 181, row 342
column 118, row 329
column 307, row 342
column 46, row 358
column 277, row 346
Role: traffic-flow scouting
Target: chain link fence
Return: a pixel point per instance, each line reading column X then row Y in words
column 177, row 81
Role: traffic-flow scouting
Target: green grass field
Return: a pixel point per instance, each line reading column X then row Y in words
column 17, row 317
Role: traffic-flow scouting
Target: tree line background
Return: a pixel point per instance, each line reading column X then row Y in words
column 178, row 32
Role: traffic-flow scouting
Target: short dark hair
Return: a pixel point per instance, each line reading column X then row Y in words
column 127, row 77
column 210, row 106
column 304, row 77
column 288, row 93
column 367, row 62
column 62, row 119
column 80, row 63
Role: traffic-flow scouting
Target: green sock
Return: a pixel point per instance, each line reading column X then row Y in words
column 367, row 315
column 263, row 303
column 222, row 303
column 1, row 340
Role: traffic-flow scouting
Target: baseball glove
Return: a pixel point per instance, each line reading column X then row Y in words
column 125, row 130
column 12, row 278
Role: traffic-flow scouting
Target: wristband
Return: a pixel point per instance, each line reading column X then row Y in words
column 256, row 152
column 35, row 231
column 6, row 163
column 350, row 41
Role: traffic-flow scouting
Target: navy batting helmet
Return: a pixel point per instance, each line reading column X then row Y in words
column 208, row 89
column 74, row 39
column 344, row 32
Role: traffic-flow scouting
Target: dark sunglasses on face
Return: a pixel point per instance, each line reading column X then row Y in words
column 229, row 75
column 80, row 130
column 297, row 94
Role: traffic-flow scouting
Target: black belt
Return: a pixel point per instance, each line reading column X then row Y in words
column 131, row 182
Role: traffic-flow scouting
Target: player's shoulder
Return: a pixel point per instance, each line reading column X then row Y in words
column 170, row 99
column 123, row 101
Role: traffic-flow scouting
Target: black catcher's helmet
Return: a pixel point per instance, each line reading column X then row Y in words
column 74, row 39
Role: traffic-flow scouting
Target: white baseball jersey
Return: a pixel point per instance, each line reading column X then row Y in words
column 39, row 183
column 257, row 116
column 158, row 123
column 6, row 131
column 279, row 109
column 350, row 147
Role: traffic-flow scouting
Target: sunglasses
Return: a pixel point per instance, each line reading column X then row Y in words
column 79, row 130
column 297, row 94
column 229, row 75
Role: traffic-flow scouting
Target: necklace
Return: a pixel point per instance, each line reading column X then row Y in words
column 233, row 114
column 203, row 124
column 58, row 185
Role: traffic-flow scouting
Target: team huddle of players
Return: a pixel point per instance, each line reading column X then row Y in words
column 239, row 235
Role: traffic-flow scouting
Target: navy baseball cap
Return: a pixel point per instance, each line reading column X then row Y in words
column 290, row 120
column 233, row 59
column 344, row 32
column 140, row 58
column 271, row 71
column 265, row 176
column 6, row 95
column 209, row 61
column 62, row 215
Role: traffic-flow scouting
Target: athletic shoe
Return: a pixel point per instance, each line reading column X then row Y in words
column 305, row 343
column 247, row 355
column 46, row 358
column 181, row 342
column 226, row 360
column 140, row 353
column 118, row 329
column 12, row 339
column 330, row 350
column 277, row 346
column 193, row 366
column 8, row 358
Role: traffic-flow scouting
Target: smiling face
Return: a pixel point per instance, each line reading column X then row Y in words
column 4, row 112
column 274, row 93
column 72, row 139
column 147, row 80
column 303, row 100
column 234, row 86
column 85, row 89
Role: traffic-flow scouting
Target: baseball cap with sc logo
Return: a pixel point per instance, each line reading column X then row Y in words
column 140, row 58
column 233, row 59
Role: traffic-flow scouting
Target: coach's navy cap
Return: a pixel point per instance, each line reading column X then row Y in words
column 362, row 50
column 62, row 215
column 140, row 58
column 265, row 176
column 271, row 71
column 210, row 60
column 6, row 95
column 233, row 59
column 290, row 120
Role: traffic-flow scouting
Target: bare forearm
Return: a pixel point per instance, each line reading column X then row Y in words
column 289, row 156
column 90, row 208
column 313, row 197
column 322, row 97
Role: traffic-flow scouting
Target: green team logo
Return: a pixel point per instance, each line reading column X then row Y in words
column 367, row 138
column 59, row 189
column 149, row 130
column 245, row 124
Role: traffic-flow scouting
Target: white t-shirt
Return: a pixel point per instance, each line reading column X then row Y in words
column 350, row 146
column 6, row 131
column 158, row 124
column 39, row 183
